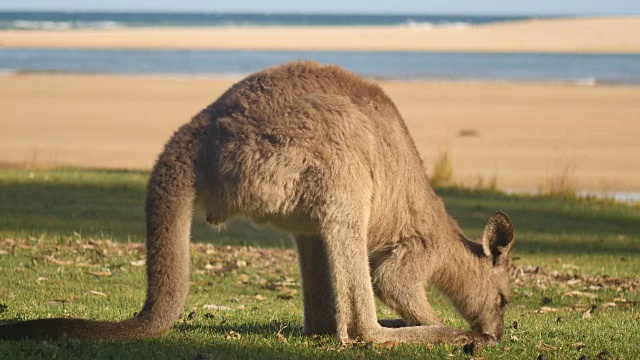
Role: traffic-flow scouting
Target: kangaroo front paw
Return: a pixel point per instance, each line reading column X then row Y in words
column 469, row 337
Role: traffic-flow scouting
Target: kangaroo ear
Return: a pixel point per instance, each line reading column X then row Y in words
column 498, row 238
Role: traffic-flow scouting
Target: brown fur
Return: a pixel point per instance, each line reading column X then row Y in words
column 325, row 155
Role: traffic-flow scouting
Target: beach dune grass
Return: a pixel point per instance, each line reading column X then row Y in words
column 563, row 182
column 71, row 244
column 442, row 174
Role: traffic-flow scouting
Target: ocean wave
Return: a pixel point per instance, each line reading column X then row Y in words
column 7, row 72
column 55, row 20
column 436, row 25
column 229, row 75
column 107, row 24
column 69, row 24
column 187, row 75
column 588, row 81
column 59, row 25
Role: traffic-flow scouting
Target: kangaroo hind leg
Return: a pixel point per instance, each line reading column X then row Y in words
column 317, row 290
column 345, row 241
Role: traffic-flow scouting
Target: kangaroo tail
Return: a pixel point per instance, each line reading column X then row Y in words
column 169, row 209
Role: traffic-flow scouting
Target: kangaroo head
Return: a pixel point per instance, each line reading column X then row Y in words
column 486, row 307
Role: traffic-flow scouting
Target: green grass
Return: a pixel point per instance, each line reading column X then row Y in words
column 71, row 245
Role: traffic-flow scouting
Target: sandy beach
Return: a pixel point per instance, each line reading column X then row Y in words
column 579, row 35
column 521, row 134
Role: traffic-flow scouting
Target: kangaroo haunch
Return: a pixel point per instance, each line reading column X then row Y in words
column 325, row 155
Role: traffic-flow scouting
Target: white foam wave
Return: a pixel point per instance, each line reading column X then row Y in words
column 438, row 25
column 63, row 25
column 99, row 24
column 590, row 81
column 7, row 72
column 41, row 25
column 206, row 76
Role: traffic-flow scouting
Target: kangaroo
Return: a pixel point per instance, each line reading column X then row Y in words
column 325, row 155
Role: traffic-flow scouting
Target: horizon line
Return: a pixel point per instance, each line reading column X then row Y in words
column 318, row 12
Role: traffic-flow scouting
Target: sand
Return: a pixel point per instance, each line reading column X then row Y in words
column 521, row 134
column 600, row 35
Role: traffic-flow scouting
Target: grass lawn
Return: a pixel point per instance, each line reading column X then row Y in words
column 71, row 244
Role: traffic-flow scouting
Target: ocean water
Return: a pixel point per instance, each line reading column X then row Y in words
column 76, row 20
column 583, row 69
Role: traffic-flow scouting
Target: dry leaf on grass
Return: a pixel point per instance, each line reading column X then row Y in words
column 96, row 293
column 582, row 294
column 138, row 262
column 573, row 282
column 579, row 346
column 279, row 334
column 546, row 309
column 215, row 307
column 539, row 277
column 56, row 261
column 542, row 346
column 99, row 273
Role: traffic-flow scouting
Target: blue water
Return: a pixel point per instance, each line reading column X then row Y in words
column 74, row 20
column 586, row 69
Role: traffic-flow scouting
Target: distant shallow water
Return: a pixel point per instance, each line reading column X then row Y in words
column 580, row 69
column 62, row 20
column 628, row 197
column 619, row 196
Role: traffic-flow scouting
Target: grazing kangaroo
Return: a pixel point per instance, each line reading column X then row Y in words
column 325, row 155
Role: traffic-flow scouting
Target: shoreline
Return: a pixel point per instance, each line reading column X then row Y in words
column 378, row 79
column 563, row 35
column 521, row 134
